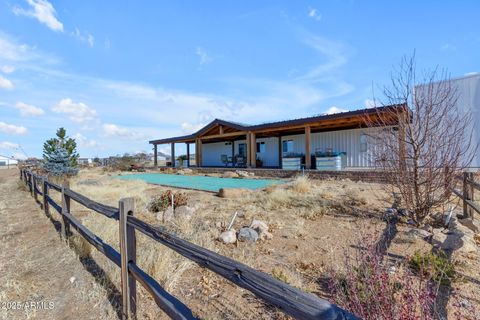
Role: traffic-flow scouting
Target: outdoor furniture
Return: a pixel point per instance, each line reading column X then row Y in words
column 226, row 160
column 240, row 161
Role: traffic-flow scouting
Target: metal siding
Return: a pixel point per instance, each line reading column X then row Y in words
column 211, row 153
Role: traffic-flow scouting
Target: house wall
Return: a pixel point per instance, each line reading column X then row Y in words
column 211, row 153
column 270, row 156
column 339, row 141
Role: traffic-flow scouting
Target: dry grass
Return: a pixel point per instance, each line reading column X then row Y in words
column 285, row 207
column 302, row 184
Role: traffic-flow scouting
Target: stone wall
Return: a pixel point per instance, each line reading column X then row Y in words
column 366, row 175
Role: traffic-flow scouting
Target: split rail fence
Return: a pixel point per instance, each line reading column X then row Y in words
column 290, row 300
column 467, row 195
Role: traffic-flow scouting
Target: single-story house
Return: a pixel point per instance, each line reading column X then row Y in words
column 325, row 141
column 6, row 162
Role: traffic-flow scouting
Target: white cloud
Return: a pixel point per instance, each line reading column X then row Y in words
column 19, row 156
column 7, row 69
column 79, row 112
column 314, row 14
column 203, row 55
column 12, row 129
column 369, row 103
column 188, row 127
column 8, row 145
column 85, row 142
column 333, row 110
column 87, row 38
column 28, row 110
column 5, row 83
column 43, row 11
column 113, row 130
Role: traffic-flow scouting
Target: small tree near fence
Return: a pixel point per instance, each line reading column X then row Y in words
column 60, row 155
column 429, row 145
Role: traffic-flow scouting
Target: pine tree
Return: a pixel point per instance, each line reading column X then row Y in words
column 60, row 154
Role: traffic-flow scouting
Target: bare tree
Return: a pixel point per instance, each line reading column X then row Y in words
column 424, row 141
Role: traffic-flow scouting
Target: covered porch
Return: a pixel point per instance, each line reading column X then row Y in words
column 290, row 144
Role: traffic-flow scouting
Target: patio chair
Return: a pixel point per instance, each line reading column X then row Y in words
column 240, row 161
column 224, row 159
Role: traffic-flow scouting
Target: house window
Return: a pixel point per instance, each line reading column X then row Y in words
column 241, row 149
column 363, row 143
column 260, row 147
column 228, row 143
column 287, row 146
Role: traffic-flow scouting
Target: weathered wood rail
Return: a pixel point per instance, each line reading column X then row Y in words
column 290, row 300
column 468, row 195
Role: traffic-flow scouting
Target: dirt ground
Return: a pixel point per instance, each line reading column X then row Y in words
column 36, row 267
column 314, row 227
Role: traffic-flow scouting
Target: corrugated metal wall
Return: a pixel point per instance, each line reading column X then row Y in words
column 339, row 141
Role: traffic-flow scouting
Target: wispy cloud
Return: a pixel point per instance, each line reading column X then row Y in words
column 87, row 38
column 314, row 14
column 203, row 56
column 78, row 112
column 43, row 11
column 335, row 54
column 5, row 83
column 85, row 142
column 12, row 129
column 9, row 145
column 28, row 110
column 7, row 69
column 113, row 130
column 448, row 47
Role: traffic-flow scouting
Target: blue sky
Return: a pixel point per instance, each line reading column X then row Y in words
column 116, row 74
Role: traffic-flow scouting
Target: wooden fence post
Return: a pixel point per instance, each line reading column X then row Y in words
column 128, row 248
column 65, row 208
column 35, row 195
column 30, row 175
column 465, row 195
column 45, row 194
column 471, row 193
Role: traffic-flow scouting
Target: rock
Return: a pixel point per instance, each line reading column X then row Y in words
column 247, row 234
column 72, row 280
column 181, row 172
column 419, row 233
column 184, row 212
column 469, row 223
column 168, row 214
column 243, row 174
column 228, row 236
column 187, row 171
column 232, row 192
column 89, row 182
column 230, row 174
column 262, row 229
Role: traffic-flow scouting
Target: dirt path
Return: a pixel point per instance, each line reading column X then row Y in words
column 39, row 269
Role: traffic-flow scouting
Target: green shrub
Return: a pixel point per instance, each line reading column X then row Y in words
column 435, row 266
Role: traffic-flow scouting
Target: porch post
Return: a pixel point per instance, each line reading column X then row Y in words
column 188, row 154
column 308, row 156
column 172, row 154
column 233, row 153
column 155, row 156
column 248, row 150
column 280, row 152
column 253, row 145
column 198, row 152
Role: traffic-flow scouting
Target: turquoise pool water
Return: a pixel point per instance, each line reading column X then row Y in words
column 200, row 182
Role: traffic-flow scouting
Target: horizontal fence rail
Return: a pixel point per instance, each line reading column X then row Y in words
column 467, row 195
column 290, row 300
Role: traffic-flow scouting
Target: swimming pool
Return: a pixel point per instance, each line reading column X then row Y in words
column 200, row 182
